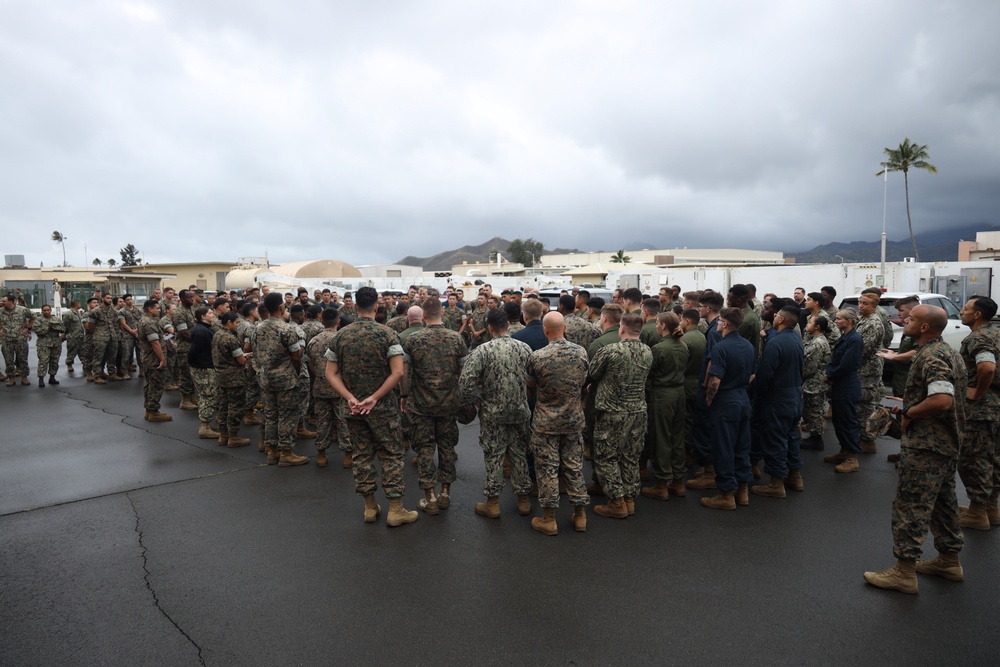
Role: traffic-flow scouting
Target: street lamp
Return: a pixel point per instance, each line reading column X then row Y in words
column 840, row 258
column 885, row 193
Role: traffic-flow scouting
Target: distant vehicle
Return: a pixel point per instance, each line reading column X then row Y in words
column 953, row 334
column 553, row 294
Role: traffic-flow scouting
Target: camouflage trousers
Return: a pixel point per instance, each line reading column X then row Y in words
column 103, row 355
column 430, row 434
column 48, row 359
column 281, row 417
column 170, row 372
column 152, row 389
column 814, row 411
column 204, row 382
column 74, row 349
column 15, row 355
column 925, row 496
column 871, row 395
column 127, row 352
column 325, row 410
column 182, row 374
column 618, row 440
column 230, row 403
column 552, row 450
column 977, row 462
column 666, row 423
column 87, row 355
column 253, row 389
column 499, row 440
column 382, row 439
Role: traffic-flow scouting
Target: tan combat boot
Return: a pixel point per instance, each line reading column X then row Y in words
column 974, row 516
column 206, row 432
column 742, row 495
column 321, row 460
column 171, row 387
column 839, row 457
column 849, row 464
column 579, row 519
column 158, row 417
column 260, row 445
column 546, row 523
column 372, row 509
column 303, row 433
column 755, row 469
column 288, row 458
column 90, row 377
column 946, row 565
column 490, row 509
column 348, row 461
column 629, row 505
column 398, row 515
column 236, row 441
column 97, row 380
column 115, row 377
column 776, row 489
column 429, row 503
column 223, row 438
column 869, row 447
column 705, row 480
column 993, row 512
column 615, row 509
column 902, row 577
column 272, row 455
column 677, row 488
column 523, row 505
column 250, row 419
column 444, row 498
column 187, row 402
column 723, row 500
column 794, row 481
column 659, row 491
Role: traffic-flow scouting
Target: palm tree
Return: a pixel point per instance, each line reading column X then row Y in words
column 97, row 262
column 112, row 262
column 620, row 258
column 59, row 238
column 901, row 159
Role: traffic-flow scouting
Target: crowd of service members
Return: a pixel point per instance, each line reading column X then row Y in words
column 693, row 390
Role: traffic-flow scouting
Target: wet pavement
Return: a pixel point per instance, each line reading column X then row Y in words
column 129, row 543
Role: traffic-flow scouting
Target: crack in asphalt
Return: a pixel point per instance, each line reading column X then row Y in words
column 149, row 585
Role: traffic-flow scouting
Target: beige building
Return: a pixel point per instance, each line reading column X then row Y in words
column 667, row 257
column 986, row 246
column 209, row 276
column 37, row 285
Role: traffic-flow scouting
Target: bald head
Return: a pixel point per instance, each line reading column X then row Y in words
column 926, row 322
column 415, row 314
column 554, row 325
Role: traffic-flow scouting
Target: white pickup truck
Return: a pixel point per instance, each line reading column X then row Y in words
column 953, row 333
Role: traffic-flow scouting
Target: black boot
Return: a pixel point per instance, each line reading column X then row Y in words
column 41, row 382
column 53, row 380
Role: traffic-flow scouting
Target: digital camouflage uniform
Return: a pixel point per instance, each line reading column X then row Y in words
column 48, row 346
column 667, row 409
column 304, row 385
column 244, row 334
column 453, row 319
column 814, row 387
column 205, row 384
column 150, row 330
column 15, row 340
column 977, row 463
column 871, row 331
column 620, row 426
column 580, row 331
column 274, row 343
column 326, row 401
column 169, row 347
column 132, row 317
column 362, row 351
column 493, row 376
column 87, row 349
column 434, row 355
column 230, row 379
column 925, row 493
column 183, row 320
column 105, row 340
column 478, row 320
column 73, row 324
column 590, row 412
column 397, row 323
column 559, row 371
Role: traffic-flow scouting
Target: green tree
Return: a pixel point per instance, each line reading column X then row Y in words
column 111, row 262
column 97, row 262
column 130, row 255
column 902, row 159
column 620, row 258
column 59, row 238
column 525, row 251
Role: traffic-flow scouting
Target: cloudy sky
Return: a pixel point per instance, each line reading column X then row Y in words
column 368, row 131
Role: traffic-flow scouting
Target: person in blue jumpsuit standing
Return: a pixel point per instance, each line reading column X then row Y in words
column 701, row 428
column 842, row 374
column 732, row 364
column 778, row 404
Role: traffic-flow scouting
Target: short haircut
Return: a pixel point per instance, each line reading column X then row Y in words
column 691, row 296
column 827, row 289
column 513, row 310
column 872, row 290
column 567, row 302
column 651, row 305
column 401, row 308
column 984, row 305
column 692, row 315
column 365, row 298
column 296, row 309
column 248, row 308
column 273, row 302
column 740, row 291
column 595, row 302
column 818, row 297
column 791, row 314
column 732, row 316
column 314, row 311
column 219, row 302
column 583, row 294
column 200, row 313
column 532, row 309
column 431, row 306
column 127, row 296
column 612, row 312
column 912, row 300
column 303, row 290
column 330, row 315
column 713, row 300
column 229, row 317
column 496, row 319
column 869, row 296
column 632, row 323
column 632, row 294
column 151, row 304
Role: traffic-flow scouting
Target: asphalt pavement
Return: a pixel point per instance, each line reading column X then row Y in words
column 129, row 543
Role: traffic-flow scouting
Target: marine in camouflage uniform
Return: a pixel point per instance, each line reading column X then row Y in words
column 277, row 349
column 493, row 376
column 244, row 334
column 183, row 320
column 363, row 355
column 132, row 315
column 580, row 331
column 814, row 387
column 169, row 347
column 453, row 316
column 105, row 319
column 434, row 355
column 73, row 324
column 871, row 330
column 153, row 364
column 15, row 323
column 558, row 373
column 978, row 464
column 326, row 401
column 477, row 321
column 620, row 423
column 932, row 440
column 230, row 381
column 48, row 347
